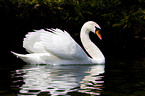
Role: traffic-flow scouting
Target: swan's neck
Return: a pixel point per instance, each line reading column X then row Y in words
column 90, row 47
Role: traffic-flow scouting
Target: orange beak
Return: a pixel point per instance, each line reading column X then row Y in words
column 99, row 35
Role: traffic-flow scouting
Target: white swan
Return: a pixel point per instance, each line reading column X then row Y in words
column 54, row 46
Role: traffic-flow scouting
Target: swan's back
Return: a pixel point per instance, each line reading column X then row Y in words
column 54, row 41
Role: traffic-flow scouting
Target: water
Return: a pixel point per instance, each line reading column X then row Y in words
column 115, row 78
column 57, row 80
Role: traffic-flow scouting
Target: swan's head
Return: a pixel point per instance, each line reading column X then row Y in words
column 93, row 27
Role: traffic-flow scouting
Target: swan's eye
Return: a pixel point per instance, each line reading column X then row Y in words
column 97, row 28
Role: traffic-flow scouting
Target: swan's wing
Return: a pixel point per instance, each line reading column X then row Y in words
column 32, row 42
column 54, row 41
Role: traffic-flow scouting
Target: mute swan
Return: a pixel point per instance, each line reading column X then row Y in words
column 54, row 46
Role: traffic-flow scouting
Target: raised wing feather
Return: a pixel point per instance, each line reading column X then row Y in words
column 54, row 41
column 32, row 42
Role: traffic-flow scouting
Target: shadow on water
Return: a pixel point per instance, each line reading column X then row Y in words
column 125, row 78
column 58, row 80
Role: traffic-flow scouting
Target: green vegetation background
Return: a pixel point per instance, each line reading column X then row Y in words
column 122, row 21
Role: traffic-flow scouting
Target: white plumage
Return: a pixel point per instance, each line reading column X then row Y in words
column 54, row 46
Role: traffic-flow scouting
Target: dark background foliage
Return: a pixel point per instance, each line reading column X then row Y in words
column 122, row 23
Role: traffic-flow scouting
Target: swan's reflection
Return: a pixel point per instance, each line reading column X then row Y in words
column 59, row 80
column 93, row 83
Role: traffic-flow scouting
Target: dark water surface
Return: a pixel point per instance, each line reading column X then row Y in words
column 115, row 78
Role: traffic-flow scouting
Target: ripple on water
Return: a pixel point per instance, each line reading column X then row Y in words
column 58, row 80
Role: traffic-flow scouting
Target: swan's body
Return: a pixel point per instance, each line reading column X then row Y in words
column 54, row 46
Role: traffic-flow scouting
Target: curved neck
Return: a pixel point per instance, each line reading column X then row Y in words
column 90, row 47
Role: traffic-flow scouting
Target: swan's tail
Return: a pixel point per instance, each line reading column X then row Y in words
column 22, row 56
column 35, row 58
column 18, row 55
